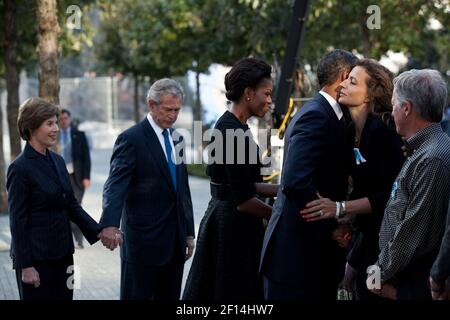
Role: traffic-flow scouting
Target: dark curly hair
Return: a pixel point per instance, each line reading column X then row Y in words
column 379, row 88
column 247, row 72
column 332, row 64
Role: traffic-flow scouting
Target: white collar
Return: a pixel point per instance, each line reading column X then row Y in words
column 333, row 103
column 154, row 125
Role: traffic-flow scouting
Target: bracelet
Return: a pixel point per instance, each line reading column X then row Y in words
column 338, row 210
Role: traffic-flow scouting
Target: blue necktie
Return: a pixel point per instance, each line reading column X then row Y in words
column 65, row 144
column 63, row 137
column 172, row 166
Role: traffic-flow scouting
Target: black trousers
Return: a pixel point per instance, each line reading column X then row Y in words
column 412, row 282
column 140, row 282
column 283, row 291
column 277, row 291
column 78, row 193
column 55, row 282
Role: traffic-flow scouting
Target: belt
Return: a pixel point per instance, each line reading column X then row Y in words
column 221, row 191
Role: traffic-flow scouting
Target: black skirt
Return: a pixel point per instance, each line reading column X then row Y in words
column 226, row 261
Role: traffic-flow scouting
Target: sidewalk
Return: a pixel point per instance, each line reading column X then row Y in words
column 99, row 267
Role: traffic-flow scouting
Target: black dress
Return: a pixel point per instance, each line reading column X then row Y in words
column 225, row 264
column 382, row 159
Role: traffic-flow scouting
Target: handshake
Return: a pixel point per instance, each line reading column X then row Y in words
column 111, row 237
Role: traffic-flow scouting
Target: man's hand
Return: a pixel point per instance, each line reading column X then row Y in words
column 111, row 237
column 438, row 291
column 387, row 291
column 86, row 183
column 31, row 276
column 190, row 245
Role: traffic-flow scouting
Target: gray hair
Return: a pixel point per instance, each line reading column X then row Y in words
column 163, row 87
column 425, row 89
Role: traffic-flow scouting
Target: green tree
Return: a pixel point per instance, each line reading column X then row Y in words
column 405, row 26
column 260, row 28
column 164, row 38
column 3, row 197
column 48, row 34
column 19, row 40
column 12, row 71
column 138, row 39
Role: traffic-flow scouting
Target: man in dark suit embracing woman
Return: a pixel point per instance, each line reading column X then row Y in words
column 299, row 259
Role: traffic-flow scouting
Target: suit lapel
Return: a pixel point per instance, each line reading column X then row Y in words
column 326, row 105
column 73, row 139
column 59, row 170
column 49, row 172
column 339, row 125
column 155, row 148
column 45, row 168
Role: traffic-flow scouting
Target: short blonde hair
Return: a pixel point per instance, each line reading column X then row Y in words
column 32, row 113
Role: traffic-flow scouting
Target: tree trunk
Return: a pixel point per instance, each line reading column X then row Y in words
column 3, row 198
column 12, row 76
column 366, row 43
column 137, row 111
column 48, row 50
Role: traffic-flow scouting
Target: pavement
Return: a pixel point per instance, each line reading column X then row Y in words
column 98, row 267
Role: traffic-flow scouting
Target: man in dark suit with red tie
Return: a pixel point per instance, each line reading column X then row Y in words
column 147, row 194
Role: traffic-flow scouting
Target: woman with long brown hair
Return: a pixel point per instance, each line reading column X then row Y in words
column 377, row 159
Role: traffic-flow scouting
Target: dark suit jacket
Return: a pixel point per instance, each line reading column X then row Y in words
column 139, row 195
column 441, row 267
column 41, row 204
column 80, row 156
column 316, row 159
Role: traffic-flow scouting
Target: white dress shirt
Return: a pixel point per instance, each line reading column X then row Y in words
column 333, row 103
column 159, row 134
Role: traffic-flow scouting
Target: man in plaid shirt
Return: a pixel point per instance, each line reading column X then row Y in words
column 414, row 218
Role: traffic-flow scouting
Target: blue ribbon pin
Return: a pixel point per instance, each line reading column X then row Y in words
column 358, row 156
